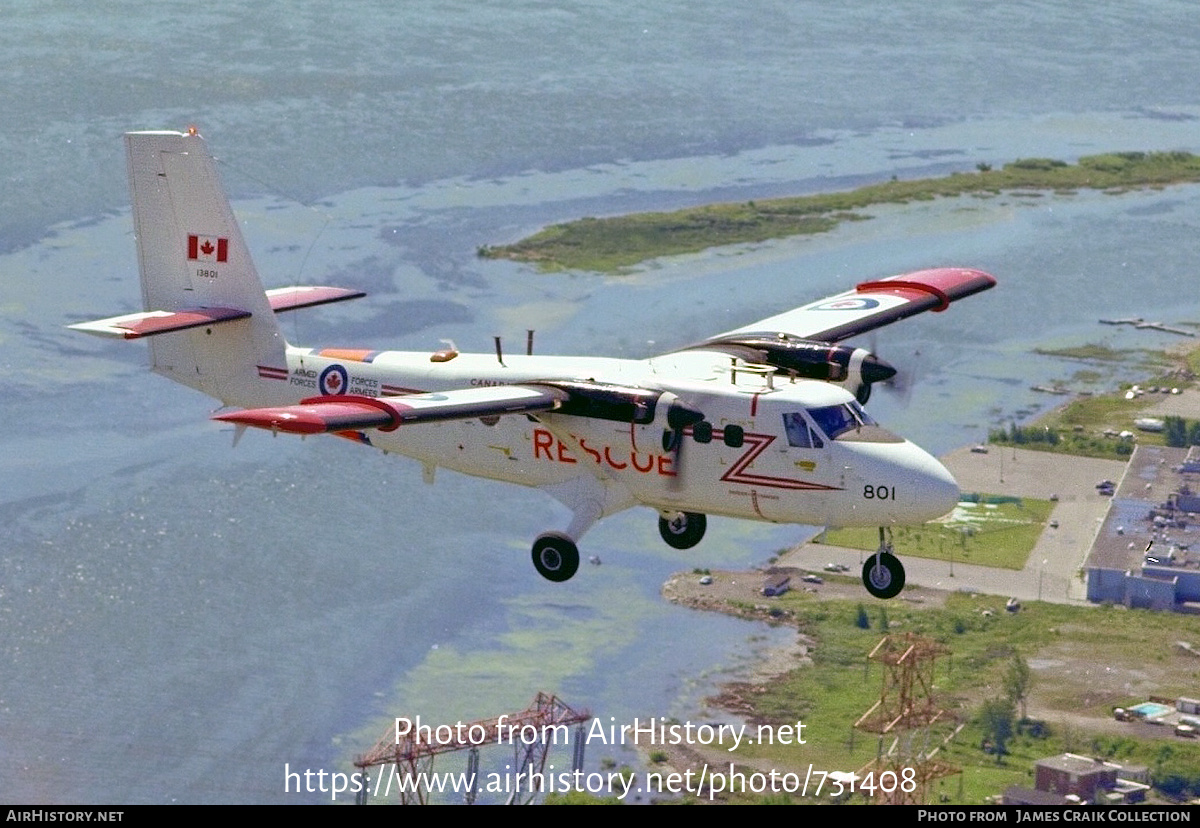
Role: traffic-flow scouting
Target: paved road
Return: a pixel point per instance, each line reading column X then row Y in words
column 1052, row 572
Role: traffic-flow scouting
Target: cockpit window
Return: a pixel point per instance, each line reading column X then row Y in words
column 799, row 433
column 836, row 420
column 832, row 422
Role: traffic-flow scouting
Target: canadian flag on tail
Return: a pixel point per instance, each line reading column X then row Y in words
column 208, row 249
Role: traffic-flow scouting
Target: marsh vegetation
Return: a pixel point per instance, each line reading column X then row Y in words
column 618, row 242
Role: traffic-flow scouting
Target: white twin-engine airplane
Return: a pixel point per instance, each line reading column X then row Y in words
column 762, row 422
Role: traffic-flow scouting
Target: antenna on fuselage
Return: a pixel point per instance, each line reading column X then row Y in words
column 499, row 352
column 529, row 342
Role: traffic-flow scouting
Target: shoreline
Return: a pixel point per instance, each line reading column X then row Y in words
column 616, row 243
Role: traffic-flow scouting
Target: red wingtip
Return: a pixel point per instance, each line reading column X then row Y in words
column 289, row 420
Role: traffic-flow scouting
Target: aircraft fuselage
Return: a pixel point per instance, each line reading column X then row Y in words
column 751, row 466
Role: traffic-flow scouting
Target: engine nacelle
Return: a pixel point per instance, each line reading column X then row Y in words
column 606, row 401
column 856, row 368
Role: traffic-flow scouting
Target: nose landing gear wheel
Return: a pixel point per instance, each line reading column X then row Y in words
column 683, row 530
column 555, row 556
column 883, row 575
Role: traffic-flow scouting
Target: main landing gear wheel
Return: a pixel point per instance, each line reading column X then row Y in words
column 684, row 530
column 555, row 556
column 883, row 575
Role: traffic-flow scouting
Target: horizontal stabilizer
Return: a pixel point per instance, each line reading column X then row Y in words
column 149, row 323
column 335, row 413
column 306, row 296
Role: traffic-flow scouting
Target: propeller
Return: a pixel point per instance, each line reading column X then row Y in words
column 869, row 369
column 680, row 416
column 900, row 382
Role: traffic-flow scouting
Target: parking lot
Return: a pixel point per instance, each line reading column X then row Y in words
column 1053, row 569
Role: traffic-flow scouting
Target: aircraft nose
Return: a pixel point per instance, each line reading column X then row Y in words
column 938, row 489
column 918, row 487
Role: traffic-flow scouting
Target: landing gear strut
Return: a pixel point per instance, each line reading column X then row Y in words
column 883, row 574
column 555, row 556
column 682, row 530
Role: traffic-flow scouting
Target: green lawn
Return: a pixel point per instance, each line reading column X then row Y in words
column 1000, row 533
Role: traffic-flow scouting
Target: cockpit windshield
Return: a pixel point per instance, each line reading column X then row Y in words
column 836, row 420
column 810, row 429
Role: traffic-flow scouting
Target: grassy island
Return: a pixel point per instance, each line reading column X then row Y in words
column 611, row 244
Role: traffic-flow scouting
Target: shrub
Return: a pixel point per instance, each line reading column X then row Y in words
column 862, row 621
column 1039, row 164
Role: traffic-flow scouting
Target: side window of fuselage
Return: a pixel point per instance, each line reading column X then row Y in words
column 799, row 433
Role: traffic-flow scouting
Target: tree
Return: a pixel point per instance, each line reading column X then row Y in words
column 1193, row 433
column 996, row 718
column 1175, row 431
column 1017, row 682
column 862, row 621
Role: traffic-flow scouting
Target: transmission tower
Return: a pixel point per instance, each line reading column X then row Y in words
column 530, row 732
column 906, row 709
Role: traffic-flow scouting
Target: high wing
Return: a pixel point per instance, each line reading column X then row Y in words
column 803, row 342
column 870, row 305
column 352, row 412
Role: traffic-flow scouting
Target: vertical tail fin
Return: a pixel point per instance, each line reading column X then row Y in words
column 191, row 255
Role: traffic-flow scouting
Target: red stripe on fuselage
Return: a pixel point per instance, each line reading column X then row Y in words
column 270, row 372
column 758, row 444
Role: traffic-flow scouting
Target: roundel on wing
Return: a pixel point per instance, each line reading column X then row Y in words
column 333, row 380
column 848, row 303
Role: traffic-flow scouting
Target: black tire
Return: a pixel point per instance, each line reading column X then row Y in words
column 555, row 557
column 683, row 532
column 883, row 575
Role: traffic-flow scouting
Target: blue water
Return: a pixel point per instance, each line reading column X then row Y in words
column 179, row 619
column 1149, row 710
